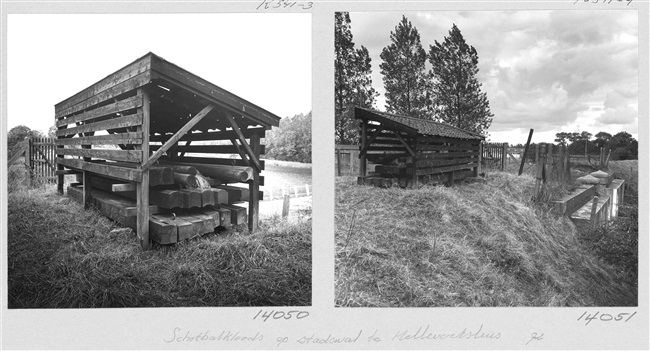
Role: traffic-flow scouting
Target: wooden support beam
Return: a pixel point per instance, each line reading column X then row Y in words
column 174, row 139
column 406, row 145
column 372, row 138
column 253, row 157
column 254, row 186
column 87, row 201
column 142, row 187
column 362, row 156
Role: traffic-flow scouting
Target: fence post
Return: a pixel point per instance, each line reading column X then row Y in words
column 594, row 206
column 338, row 162
column 523, row 157
column 28, row 160
column 503, row 156
column 549, row 158
column 285, row 206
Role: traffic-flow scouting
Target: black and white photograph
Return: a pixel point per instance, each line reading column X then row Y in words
column 486, row 158
column 160, row 163
column 475, row 177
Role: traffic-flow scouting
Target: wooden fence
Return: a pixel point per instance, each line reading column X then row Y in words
column 291, row 191
column 347, row 159
column 493, row 155
column 40, row 159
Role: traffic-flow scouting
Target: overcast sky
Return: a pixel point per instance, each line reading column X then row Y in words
column 52, row 57
column 552, row 71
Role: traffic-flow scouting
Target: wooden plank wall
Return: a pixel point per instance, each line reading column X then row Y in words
column 403, row 155
column 437, row 155
column 101, row 123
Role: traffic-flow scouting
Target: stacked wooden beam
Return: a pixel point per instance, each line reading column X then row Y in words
column 178, row 209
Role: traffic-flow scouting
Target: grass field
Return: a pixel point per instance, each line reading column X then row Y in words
column 60, row 256
column 477, row 244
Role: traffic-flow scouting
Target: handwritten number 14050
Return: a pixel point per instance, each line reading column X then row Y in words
column 265, row 315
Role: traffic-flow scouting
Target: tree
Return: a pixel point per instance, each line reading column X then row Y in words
column 353, row 83
column 18, row 134
column 561, row 138
column 404, row 74
column 602, row 138
column 585, row 136
column 626, row 141
column 51, row 133
column 291, row 141
column 457, row 95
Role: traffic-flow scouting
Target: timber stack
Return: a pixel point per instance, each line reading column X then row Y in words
column 163, row 151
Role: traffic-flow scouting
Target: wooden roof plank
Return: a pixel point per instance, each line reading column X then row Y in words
column 191, row 82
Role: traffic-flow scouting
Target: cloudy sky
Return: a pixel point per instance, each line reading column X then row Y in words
column 551, row 71
column 52, row 57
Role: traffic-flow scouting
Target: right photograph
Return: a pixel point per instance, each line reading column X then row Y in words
column 486, row 158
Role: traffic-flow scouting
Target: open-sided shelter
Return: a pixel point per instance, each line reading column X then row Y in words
column 142, row 130
column 409, row 150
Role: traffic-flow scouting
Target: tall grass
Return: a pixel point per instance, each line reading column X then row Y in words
column 489, row 244
column 61, row 256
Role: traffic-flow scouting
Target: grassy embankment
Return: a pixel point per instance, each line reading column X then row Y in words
column 61, row 256
column 479, row 245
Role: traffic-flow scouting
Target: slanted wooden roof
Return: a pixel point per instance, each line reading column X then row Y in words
column 413, row 125
column 176, row 95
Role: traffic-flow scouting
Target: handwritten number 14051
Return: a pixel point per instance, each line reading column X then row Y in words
column 605, row 317
column 265, row 315
column 604, row 1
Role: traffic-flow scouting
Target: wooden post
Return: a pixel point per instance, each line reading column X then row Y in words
column 594, row 206
column 560, row 160
column 538, row 179
column 285, row 206
column 28, row 159
column 60, row 179
column 338, row 162
column 523, row 157
column 504, row 146
column 362, row 145
column 254, row 186
column 307, row 189
column 415, row 162
column 87, row 200
column 549, row 158
column 477, row 169
column 142, row 188
column 536, row 153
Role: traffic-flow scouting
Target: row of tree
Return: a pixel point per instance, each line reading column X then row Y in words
column 449, row 92
column 621, row 144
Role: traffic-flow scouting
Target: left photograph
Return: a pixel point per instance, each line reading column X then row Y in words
column 164, row 163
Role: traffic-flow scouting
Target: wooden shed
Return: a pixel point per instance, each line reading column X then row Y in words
column 409, row 150
column 139, row 132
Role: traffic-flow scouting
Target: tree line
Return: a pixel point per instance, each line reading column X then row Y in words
column 449, row 92
column 621, row 144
